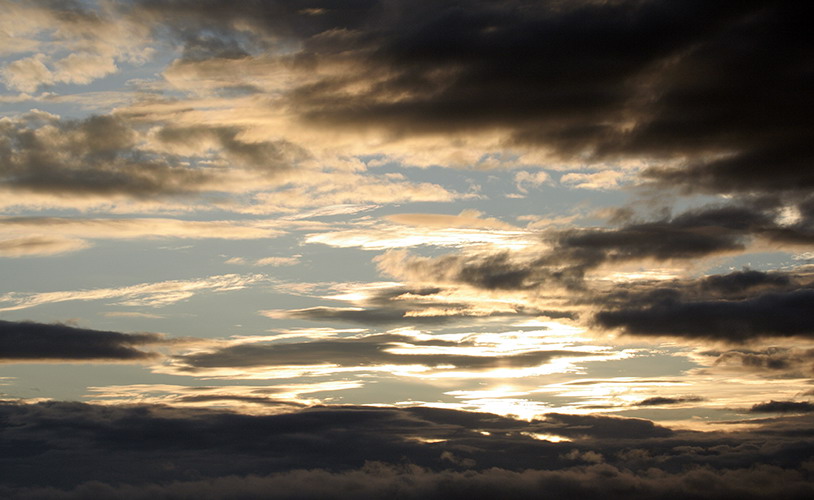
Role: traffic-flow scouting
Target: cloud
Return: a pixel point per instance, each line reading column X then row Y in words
column 664, row 401
column 267, row 261
column 36, row 342
column 94, row 156
column 606, row 179
column 145, row 294
column 269, row 156
column 564, row 256
column 39, row 245
column 386, row 303
column 365, row 353
column 654, row 79
column 335, row 451
column 262, row 400
column 783, row 407
column 734, row 318
column 70, row 228
column 377, row 480
column 783, row 361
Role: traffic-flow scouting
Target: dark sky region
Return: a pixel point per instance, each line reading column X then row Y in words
column 406, row 249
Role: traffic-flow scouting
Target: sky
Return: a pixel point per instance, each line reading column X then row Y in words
column 420, row 249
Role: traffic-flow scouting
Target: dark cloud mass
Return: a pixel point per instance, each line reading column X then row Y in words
column 31, row 342
column 722, row 85
column 370, row 452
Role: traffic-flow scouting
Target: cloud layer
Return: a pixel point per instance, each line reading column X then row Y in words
column 333, row 452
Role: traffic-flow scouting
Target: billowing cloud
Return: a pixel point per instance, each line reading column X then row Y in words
column 28, row 342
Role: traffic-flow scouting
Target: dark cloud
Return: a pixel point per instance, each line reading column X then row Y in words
column 697, row 233
column 770, row 314
column 722, row 86
column 370, row 452
column 31, row 342
column 783, row 407
column 368, row 351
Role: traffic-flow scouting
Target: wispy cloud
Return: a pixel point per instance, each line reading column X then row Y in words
column 142, row 295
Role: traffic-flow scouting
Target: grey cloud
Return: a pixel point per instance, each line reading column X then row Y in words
column 782, row 361
column 694, row 234
column 93, row 156
column 270, row 156
column 31, row 342
column 357, row 352
column 101, row 155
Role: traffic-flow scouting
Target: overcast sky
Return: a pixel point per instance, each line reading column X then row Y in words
column 426, row 248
